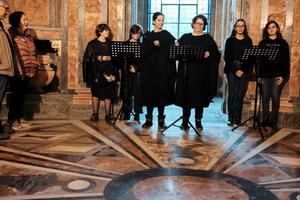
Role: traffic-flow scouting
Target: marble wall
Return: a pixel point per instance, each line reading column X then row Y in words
column 74, row 21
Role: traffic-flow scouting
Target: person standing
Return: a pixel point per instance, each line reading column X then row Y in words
column 99, row 72
column 133, row 80
column 200, row 86
column 236, row 70
column 27, row 65
column 274, row 74
column 6, row 61
column 158, row 73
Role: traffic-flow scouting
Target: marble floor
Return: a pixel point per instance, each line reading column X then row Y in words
column 78, row 159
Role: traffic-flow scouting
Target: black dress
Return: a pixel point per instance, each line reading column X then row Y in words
column 202, row 75
column 158, row 73
column 133, row 84
column 93, row 70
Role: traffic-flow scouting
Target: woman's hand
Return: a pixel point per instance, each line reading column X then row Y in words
column 104, row 58
column 156, row 43
column 112, row 77
column 239, row 73
column 132, row 69
column 279, row 80
column 206, row 54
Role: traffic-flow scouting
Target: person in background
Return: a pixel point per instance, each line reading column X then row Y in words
column 202, row 74
column 237, row 71
column 27, row 65
column 133, row 87
column 274, row 74
column 99, row 72
column 158, row 73
column 6, row 63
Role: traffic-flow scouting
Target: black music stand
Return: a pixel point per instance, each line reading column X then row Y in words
column 261, row 54
column 185, row 53
column 125, row 51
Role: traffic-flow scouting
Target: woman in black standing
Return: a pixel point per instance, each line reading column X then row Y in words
column 274, row 74
column 236, row 70
column 133, row 80
column 99, row 72
column 200, row 86
column 158, row 74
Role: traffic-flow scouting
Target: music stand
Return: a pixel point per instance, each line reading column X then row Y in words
column 125, row 51
column 261, row 55
column 185, row 53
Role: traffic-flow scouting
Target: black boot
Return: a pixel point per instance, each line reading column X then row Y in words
column 94, row 117
column 7, row 127
column 148, row 122
column 3, row 135
column 161, row 121
column 126, row 116
column 198, row 124
column 137, row 117
column 184, row 125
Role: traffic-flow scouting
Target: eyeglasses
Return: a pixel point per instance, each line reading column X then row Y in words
column 200, row 24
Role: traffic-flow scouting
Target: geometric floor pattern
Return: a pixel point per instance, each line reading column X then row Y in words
column 76, row 159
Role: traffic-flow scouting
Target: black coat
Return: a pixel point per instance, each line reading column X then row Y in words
column 92, row 68
column 202, row 75
column 158, row 73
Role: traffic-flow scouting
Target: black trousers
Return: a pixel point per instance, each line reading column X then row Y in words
column 237, row 88
column 16, row 100
column 271, row 93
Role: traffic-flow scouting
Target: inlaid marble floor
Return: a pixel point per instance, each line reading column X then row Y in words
column 77, row 159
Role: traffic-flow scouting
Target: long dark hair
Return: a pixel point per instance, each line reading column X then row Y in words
column 135, row 28
column 102, row 27
column 245, row 33
column 265, row 31
column 15, row 20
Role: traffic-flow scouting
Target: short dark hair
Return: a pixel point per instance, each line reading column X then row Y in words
column 135, row 28
column 100, row 28
column 156, row 14
column 15, row 18
column 245, row 33
column 265, row 31
column 204, row 19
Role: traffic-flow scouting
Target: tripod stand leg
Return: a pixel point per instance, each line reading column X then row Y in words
column 172, row 124
column 242, row 124
column 197, row 132
column 118, row 115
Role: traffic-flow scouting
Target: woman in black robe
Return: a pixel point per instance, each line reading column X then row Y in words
column 132, row 86
column 202, row 74
column 158, row 73
column 99, row 73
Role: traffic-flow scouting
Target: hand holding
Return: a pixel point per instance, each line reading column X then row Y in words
column 239, row 73
column 132, row 69
column 206, row 54
column 156, row 43
column 279, row 80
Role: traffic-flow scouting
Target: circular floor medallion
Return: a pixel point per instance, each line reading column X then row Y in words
column 182, row 184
